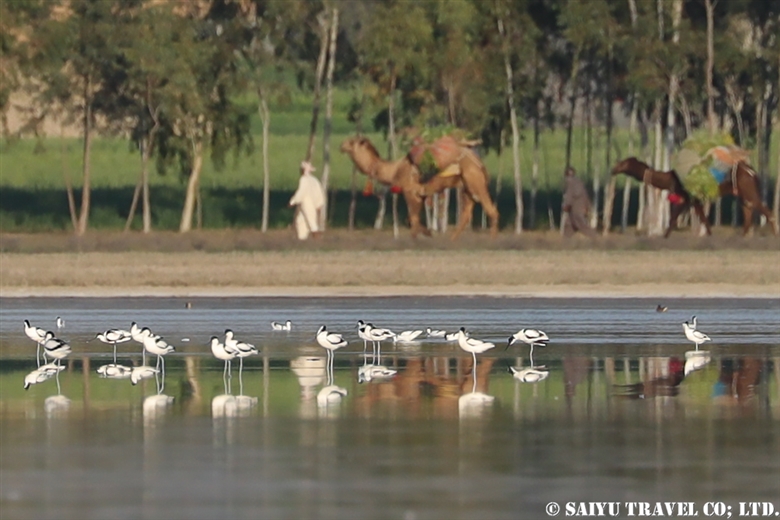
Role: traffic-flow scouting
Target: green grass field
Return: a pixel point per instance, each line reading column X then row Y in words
column 33, row 172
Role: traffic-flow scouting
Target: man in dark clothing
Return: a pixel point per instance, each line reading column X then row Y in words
column 576, row 205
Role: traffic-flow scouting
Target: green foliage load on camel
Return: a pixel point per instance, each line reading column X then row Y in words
column 703, row 155
column 434, row 148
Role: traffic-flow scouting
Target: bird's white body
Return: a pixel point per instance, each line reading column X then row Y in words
column 693, row 335
column 529, row 375
column 221, row 351
column 330, row 341
column 114, row 336
column 473, row 345
column 36, row 334
column 156, row 345
column 435, row 333
column 529, row 337
column 114, row 371
column 286, row 326
column 55, row 348
column 407, row 336
column 60, row 323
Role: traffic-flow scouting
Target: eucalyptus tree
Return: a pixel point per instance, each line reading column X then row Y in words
column 149, row 50
column 17, row 23
column 74, row 64
column 393, row 45
column 203, row 115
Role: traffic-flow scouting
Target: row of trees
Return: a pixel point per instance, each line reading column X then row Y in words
column 175, row 76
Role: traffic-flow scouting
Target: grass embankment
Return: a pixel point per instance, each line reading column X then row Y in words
column 251, row 263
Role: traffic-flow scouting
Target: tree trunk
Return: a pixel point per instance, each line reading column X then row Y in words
column 146, row 206
column 83, row 220
column 68, row 185
column 534, row 172
column 192, row 187
column 710, row 65
column 265, row 118
column 334, row 24
column 393, row 145
column 320, row 71
column 626, row 178
column 133, row 204
column 572, row 106
column 609, row 189
column 510, row 98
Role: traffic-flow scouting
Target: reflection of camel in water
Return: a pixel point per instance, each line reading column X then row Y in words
column 470, row 173
column 665, row 385
column 738, row 379
column 429, row 377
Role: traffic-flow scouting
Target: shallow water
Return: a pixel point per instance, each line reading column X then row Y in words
column 619, row 417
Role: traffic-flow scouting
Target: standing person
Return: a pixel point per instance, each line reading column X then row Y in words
column 309, row 200
column 576, row 205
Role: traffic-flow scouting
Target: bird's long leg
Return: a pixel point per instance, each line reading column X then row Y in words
column 378, row 352
column 474, row 373
column 38, row 354
column 365, row 359
column 115, row 353
column 240, row 376
column 162, row 378
column 224, row 371
column 57, row 377
column 532, row 355
column 143, row 356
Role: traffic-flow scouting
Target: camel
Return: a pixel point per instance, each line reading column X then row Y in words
column 746, row 189
column 679, row 196
column 470, row 174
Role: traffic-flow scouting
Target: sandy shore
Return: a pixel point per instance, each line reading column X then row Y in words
column 322, row 272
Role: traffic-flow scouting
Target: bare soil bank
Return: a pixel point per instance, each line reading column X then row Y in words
column 343, row 263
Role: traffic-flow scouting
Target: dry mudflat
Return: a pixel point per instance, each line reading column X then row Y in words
column 249, row 263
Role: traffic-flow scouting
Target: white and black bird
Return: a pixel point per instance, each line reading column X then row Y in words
column 243, row 349
column 278, row 326
column 139, row 334
column 475, row 346
column 407, row 336
column 696, row 336
column 377, row 336
column 36, row 334
column 224, row 353
column 55, row 348
column 60, row 323
column 453, row 336
column 330, row 342
column 435, row 333
column 157, row 346
column 532, row 337
column 114, row 336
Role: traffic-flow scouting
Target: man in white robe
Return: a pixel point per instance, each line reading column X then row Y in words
column 308, row 200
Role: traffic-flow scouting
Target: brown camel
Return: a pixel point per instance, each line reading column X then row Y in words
column 749, row 192
column 678, row 195
column 747, row 189
column 404, row 174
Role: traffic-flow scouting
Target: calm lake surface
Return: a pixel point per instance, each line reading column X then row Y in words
column 624, row 412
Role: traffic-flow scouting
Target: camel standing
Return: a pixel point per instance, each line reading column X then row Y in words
column 402, row 173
